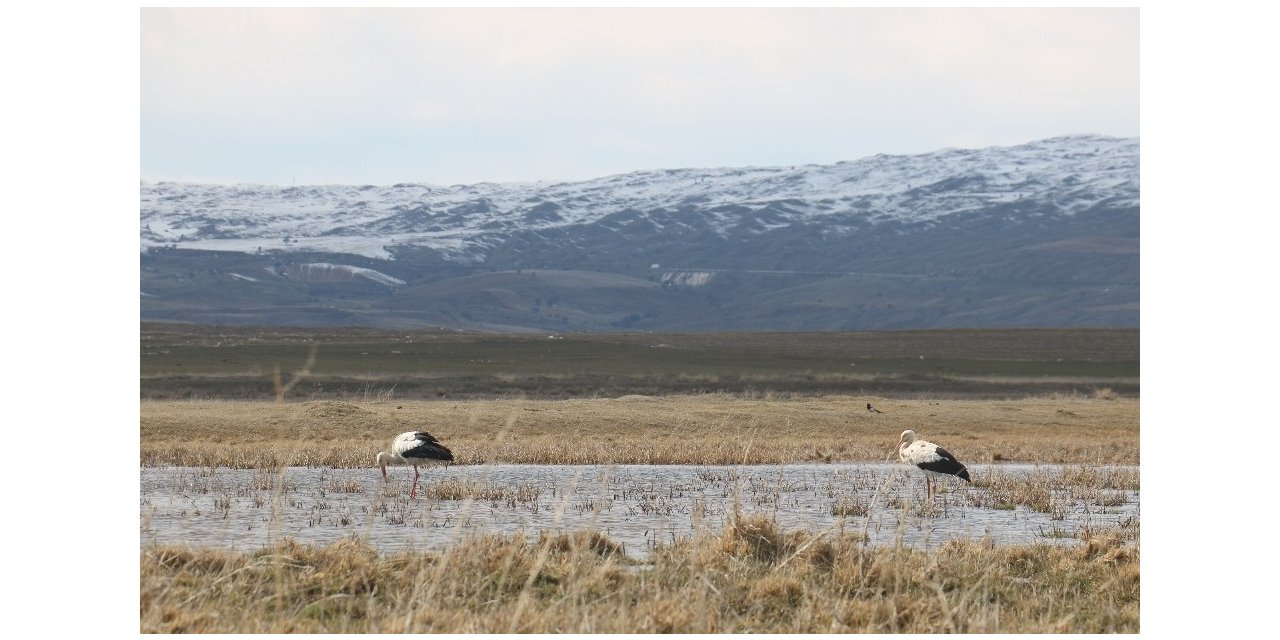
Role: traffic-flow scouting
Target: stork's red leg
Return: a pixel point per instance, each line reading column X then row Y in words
column 414, row 491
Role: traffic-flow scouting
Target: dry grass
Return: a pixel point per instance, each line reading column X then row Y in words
column 1104, row 393
column 752, row 577
column 698, row 429
column 511, row 495
column 1053, row 490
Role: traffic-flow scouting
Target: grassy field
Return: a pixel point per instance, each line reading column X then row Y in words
column 266, row 398
column 751, row 577
column 189, row 361
column 697, row 429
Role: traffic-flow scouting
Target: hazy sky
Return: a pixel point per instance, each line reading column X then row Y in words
column 450, row 96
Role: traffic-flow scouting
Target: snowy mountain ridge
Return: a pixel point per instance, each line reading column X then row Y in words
column 1057, row 176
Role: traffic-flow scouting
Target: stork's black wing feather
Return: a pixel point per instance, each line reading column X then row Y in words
column 430, row 448
column 946, row 463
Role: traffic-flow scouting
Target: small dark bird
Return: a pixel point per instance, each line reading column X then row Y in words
column 871, row 409
column 415, row 448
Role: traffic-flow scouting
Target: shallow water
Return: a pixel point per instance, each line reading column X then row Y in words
column 638, row 505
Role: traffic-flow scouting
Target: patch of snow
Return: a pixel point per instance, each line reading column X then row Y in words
column 687, row 278
column 324, row 271
column 1066, row 175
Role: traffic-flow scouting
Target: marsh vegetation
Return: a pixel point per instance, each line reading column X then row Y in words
column 784, row 510
column 638, row 506
column 784, row 516
column 749, row 577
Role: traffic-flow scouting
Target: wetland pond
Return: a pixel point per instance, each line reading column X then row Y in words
column 639, row 506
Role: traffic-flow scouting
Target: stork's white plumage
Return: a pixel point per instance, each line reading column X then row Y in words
column 933, row 460
column 415, row 448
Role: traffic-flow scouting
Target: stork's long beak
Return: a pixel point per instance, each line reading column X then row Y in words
column 384, row 472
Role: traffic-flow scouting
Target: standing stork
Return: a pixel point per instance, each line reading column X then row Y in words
column 415, row 448
column 933, row 460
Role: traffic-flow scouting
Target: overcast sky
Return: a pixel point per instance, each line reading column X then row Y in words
column 445, row 96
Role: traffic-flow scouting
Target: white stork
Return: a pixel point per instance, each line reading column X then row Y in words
column 415, row 448
column 933, row 460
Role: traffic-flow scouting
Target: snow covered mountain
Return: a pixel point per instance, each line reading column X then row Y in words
column 1061, row 212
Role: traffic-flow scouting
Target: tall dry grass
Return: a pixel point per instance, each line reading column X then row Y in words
column 700, row 429
column 751, row 577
